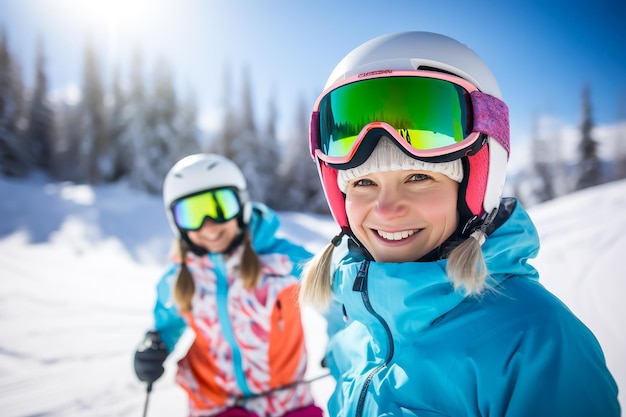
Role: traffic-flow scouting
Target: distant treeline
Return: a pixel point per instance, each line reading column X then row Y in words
column 134, row 129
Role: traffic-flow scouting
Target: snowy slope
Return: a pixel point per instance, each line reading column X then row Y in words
column 582, row 260
column 78, row 266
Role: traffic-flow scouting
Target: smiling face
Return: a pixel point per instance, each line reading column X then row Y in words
column 400, row 216
column 215, row 237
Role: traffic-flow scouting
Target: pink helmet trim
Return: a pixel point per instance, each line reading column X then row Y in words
column 477, row 180
column 334, row 196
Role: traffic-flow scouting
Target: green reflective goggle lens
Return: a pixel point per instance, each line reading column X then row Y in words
column 219, row 205
column 428, row 113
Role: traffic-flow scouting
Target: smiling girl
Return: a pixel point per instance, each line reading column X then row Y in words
column 443, row 314
column 234, row 283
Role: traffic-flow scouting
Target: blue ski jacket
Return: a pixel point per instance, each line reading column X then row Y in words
column 413, row 346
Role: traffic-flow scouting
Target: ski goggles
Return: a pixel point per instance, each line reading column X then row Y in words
column 434, row 116
column 219, row 205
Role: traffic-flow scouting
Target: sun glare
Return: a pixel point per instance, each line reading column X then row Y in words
column 113, row 12
column 112, row 24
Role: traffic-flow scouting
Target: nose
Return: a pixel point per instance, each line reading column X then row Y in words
column 390, row 203
column 208, row 223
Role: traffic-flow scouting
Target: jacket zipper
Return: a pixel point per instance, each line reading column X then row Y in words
column 228, row 332
column 360, row 284
column 279, row 309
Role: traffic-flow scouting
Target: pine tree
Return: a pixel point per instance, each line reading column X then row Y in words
column 544, row 161
column 248, row 152
column 224, row 141
column 65, row 165
column 40, row 133
column 619, row 170
column 186, row 126
column 119, row 153
column 274, row 196
column 589, row 168
column 135, row 136
column 247, row 113
column 160, row 152
column 13, row 160
column 168, row 130
column 91, row 133
column 302, row 188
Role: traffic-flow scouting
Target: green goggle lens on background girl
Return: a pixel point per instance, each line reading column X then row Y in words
column 220, row 205
column 428, row 113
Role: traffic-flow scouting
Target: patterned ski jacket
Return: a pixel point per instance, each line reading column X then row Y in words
column 246, row 341
column 412, row 346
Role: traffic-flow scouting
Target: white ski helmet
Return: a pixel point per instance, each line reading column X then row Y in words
column 484, row 170
column 200, row 172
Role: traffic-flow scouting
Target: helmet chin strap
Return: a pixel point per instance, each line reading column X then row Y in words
column 197, row 250
column 353, row 243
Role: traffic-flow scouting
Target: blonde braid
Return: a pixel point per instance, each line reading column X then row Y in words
column 316, row 282
column 250, row 264
column 184, row 287
column 466, row 265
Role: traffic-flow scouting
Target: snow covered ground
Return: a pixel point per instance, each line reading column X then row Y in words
column 78, row 267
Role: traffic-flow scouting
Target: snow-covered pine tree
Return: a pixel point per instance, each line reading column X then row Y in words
column 544, row 161
column 169, row 132
column 301, row 184
column 223, row 142
column 247, row 150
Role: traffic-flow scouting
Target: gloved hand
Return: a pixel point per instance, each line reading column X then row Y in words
column 149, row 358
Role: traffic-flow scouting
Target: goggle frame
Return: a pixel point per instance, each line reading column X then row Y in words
column 490, row 117
column 219, row 209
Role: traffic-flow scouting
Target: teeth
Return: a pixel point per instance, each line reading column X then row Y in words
column 396, row 235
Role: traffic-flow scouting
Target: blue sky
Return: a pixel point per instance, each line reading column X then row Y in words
column 542, row 52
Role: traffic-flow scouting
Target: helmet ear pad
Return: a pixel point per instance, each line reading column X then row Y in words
column 246, row 207
column 334, row 196
column 247, row 212
column 472, row 188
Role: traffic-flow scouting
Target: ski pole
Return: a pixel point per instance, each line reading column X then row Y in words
column 239, row 401
column 145, row 406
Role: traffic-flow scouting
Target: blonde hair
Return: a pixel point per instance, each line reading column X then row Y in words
column 184, row 286
column 316, row 280
column 466, row 269
column 466, row 266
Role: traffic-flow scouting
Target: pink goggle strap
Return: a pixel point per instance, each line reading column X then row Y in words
column 314, row 133
column 491, row 116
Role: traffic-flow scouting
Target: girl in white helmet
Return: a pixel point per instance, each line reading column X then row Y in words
column 443, row 314
column 234, row 283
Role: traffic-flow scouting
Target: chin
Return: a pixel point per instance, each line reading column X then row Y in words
column 409, row 256
column 216, row 248
column 392, row 259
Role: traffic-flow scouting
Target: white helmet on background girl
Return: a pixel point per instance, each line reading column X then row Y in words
column 201, row 172
column 482, row 144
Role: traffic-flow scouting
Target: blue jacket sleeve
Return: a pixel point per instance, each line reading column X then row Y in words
column 557, row 368
column 167, row 320
column 264, row 226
